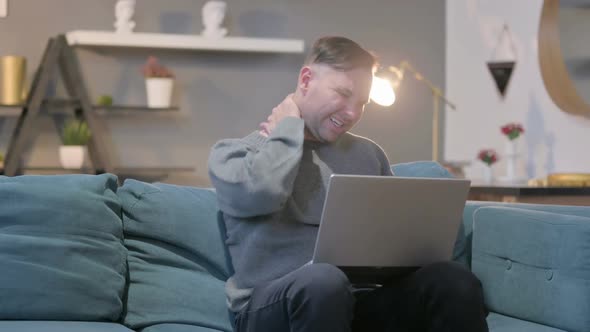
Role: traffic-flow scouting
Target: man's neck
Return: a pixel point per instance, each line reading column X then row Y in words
column 308, row 136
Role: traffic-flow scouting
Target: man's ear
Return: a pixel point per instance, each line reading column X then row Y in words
column 305, row 75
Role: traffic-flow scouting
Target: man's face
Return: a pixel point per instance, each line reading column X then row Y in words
column 332, row 101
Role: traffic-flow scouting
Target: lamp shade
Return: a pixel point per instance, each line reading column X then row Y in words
column 382, row 92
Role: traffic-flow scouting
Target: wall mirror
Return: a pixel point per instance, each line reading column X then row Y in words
column 564, row 53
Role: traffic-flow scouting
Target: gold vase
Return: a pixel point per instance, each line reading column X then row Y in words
column 12, row 79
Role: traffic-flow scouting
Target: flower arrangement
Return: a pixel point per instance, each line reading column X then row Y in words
column 152, row 68
column 512, row 130
column 488, row 156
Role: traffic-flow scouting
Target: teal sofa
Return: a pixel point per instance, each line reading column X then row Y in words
column 83, row 253
column 533, row 260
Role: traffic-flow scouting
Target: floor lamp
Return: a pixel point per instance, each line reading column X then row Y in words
column 383, row 93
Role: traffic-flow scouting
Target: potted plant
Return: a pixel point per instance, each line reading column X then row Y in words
column 75, row 136
column 159, row 82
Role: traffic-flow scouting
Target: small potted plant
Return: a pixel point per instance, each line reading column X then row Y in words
column 159, row 83
column 75, row 137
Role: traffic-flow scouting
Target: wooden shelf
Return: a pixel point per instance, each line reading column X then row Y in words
column 134, row 110
column 154, row 171
column 56, row 106
column 124, row 171
column 183, row 42
column 148, row 174
column 10, row 110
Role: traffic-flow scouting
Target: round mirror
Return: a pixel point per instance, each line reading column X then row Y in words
column 564, row 53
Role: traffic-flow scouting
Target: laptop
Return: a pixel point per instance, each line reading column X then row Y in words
column 377, row 227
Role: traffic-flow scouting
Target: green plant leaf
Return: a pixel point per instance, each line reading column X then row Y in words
column 76, row 132
column 105, row 100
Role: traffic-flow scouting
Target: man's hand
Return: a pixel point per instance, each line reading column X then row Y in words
column 286, row 108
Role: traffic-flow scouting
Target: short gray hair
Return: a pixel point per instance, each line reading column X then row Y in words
column 341, row 53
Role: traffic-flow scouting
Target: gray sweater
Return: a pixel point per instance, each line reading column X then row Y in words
column 271, row 192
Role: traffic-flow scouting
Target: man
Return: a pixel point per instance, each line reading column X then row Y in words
column 271, row 187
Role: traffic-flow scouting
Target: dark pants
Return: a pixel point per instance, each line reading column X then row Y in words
column 318, row 297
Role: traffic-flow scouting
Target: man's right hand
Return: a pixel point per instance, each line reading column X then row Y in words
column 286, row 108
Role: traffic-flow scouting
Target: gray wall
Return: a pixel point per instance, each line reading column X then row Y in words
column 229, row 94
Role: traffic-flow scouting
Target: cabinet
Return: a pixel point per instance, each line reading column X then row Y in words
column 564, row 195
column 59, row 54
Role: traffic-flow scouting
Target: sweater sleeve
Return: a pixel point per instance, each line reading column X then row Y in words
column 254, row 176
column 385, row 164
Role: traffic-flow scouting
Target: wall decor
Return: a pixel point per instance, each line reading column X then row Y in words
column 124, row 10
column 556, row 78
column 501, row 70
column 213, row 15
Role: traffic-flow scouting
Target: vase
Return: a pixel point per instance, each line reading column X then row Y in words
column 13, row 71
column 488, row 175
column 511, row 155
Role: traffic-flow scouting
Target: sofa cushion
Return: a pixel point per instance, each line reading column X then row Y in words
column 177, row 328
column 501, row 323
column 177, row 258
column 63, row 326
column 61, row 248
column 534, row 265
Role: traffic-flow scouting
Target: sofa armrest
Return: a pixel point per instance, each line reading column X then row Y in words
column 463, row 247
column 534, row 265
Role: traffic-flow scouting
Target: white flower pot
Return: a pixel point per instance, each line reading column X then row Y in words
column 159, row 91
column 72, row 156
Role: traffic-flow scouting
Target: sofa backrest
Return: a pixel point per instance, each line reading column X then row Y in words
column 472, row 206
column 432, row 169
column 177, row 258
column 61, row 248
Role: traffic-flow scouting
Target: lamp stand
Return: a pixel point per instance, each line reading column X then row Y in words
column 437, row 96
column 435, row 125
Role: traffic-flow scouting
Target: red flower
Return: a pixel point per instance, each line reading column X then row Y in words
column 152, row 68
column 512, row 130
column 488, row 156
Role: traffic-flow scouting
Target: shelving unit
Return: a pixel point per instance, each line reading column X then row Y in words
column 59, row 53
column 183, row 42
